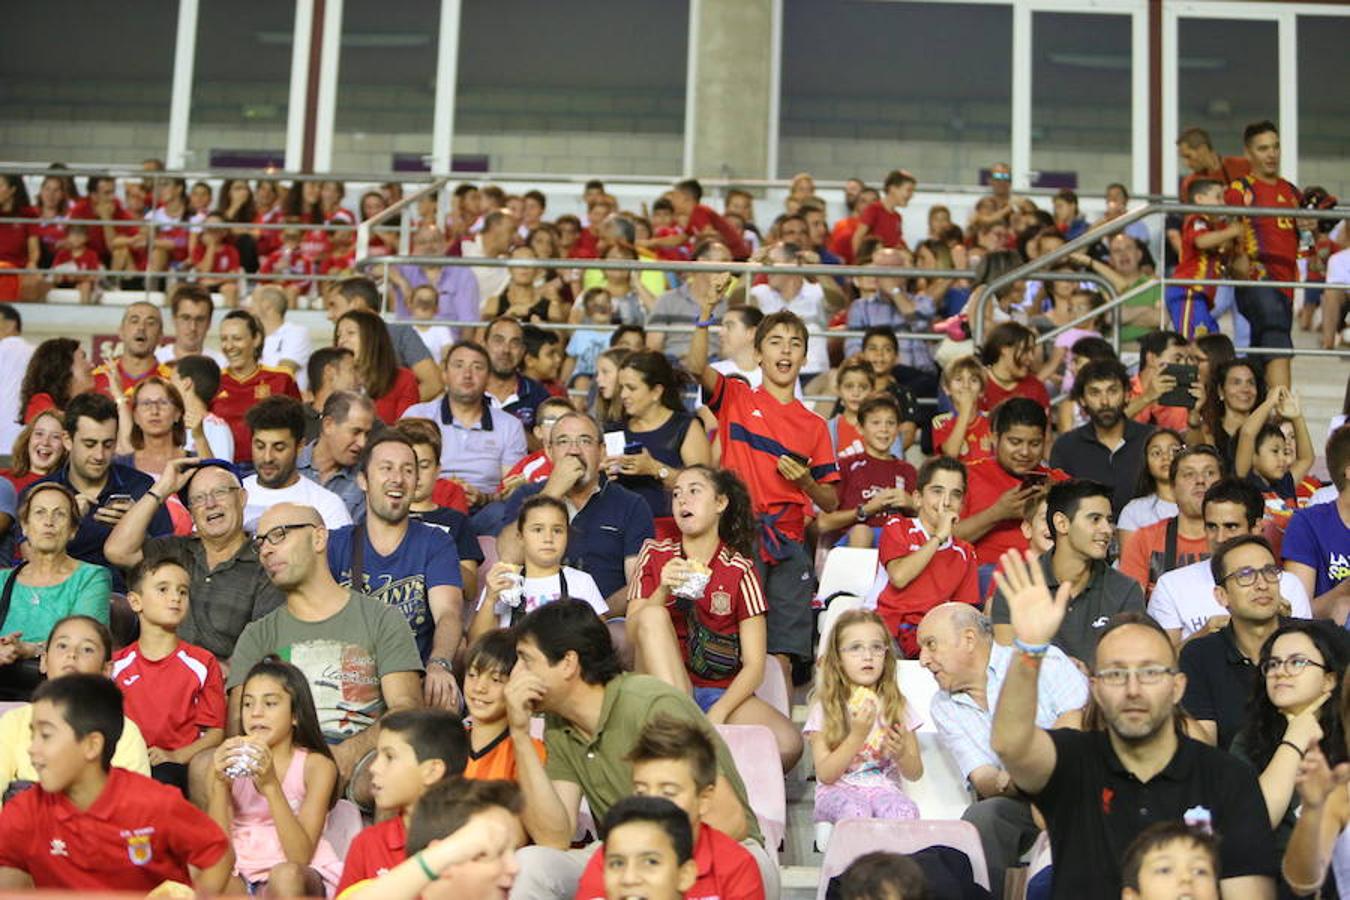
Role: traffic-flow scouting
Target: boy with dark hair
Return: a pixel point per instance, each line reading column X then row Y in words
column 172, row 689
column 648, row 850
column 676, row 760
column 882, row 220
column 874, row 484
column 1171, row 859
column 699, row 219
column 543, row 359
column 416, row 750
column 487, row 669
column 91, row 826
column 1203, row 242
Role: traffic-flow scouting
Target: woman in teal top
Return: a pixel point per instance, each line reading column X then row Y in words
column 46, row 588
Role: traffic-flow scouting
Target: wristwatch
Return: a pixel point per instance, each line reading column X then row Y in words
column 443, row 663
column 663, row 473
column 860, row 513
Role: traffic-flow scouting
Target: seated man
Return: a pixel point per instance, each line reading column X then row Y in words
column 330, row 460
column 277, row 425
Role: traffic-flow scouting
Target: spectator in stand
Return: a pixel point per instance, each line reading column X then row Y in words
column 54, row 204
column 522, row 298
column 1093, row 786
column 15, row 356
column 1008, row 355
column 957, row 645
column 57, row 371
column 701, row 222
column 818, row 231
column 237, row 207
column 1317, row 541
column 1267, row 458
column 76, row 256
column 1157, row 351
column 854, row 383
column 170, row 219
column 1125, row 271
column 665, row 436
column 277, row 426
column 331, row 459
column 410, row 352
column 153, row 435
column 245, row 382
column 999, row 306
column 112, row 242
column 437, row 338
column 215, row 255
column 543, row 359
column 884, row 301
column 139, row 334
column 286, row 345
column 506, row 388
column 874, row 483
column 535, row 468
column 20, row 247
column 329, row 370
column 1179, row 541
column 38, row 450
column 191, row 307
column 392, row 387
column 454, row 287
column 1268, row 247
column 425, row 438
column 288, row 258
column 1153, row 499
column 1110, row 448
column 882, row 220
column 1183, row 601
column 812, row 300
column 197, row 379
column 1197, row 153
column 963, row 434
column 1000, row 486
column 268, row 210
column 680, row 306
column 946, row 296
column 1068, row 220
column 1203, row 252
column 493, row 242
column 841, row 236
column 1234, row 394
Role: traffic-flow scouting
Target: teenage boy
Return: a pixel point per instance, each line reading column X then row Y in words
column 173, row 690
column 676, row 760
column 416, row 749
column 648, row 850
column 1169, row 860
column 873, row 484
column 882, row 220
column 925, row 564
column 783, row 453
column 91, row 826
column 1203, row 247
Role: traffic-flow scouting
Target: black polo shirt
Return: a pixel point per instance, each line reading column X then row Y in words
column 1079, row 453
column 1219, row 682
column 1094, row 807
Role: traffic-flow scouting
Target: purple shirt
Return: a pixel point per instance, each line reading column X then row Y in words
column 457, row 290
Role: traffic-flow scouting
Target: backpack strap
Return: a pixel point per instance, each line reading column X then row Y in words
column 358, row 558
column 1170, row 546
column 7, row 595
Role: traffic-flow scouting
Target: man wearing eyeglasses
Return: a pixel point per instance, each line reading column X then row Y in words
column 1099, row 789
column 227, row 585
column 1221, row 667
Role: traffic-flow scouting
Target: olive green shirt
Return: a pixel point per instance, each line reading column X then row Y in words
column 598, row 764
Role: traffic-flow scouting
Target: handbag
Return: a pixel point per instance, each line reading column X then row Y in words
column 20, row 678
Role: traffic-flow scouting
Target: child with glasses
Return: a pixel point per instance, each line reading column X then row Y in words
column 861, row 729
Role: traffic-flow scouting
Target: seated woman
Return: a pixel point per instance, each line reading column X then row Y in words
column 660, row 436
column 696, row 608
column 58, row 370
column 1154, row 499
column 523, row 298
column 45, row 588
column 391, row 386
column 38, row 451
column 152, row 435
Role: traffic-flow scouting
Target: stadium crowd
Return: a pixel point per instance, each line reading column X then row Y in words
column 506, row 588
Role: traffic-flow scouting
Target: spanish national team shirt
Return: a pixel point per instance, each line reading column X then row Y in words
column 129, row 381
column 756, row 429
column 172, row 699
column 1270, row 242
column 1197, row 263
column 136, row 835
column 235, row 398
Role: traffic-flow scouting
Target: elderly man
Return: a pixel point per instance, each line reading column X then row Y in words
column 956, row 644
column 357, row 654
column 331, row 460
column 139, row 335
column 227, row 584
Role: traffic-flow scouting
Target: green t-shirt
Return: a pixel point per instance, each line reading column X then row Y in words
column 598, row 764
column 1147, row 300
column 36, row 610
column 343, row 658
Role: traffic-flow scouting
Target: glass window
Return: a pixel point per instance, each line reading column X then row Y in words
column 1229, row 76
column 1080, row 100
column 582, row 87
column 1323, row 144
column 869, row 87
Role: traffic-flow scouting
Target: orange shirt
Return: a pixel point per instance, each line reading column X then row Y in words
column 497, row 761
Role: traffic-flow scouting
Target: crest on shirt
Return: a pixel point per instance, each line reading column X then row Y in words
column 59, row 847
column 139, row 850
column 721, row 603
column 262, row 391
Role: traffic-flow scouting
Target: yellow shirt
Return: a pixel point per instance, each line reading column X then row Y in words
column 16, row 734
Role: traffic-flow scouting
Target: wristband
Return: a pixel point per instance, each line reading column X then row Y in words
column 158, row 498
column 1292, row 746
column 704, row 323
column 1031, row 649
column 426, row 869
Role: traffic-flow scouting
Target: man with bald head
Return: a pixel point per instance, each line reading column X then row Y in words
column 956, row 644
column 358, row 654
column 139, row 334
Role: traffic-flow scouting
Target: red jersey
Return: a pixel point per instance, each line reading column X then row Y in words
column 402, row 394
column 841, row 239
column 172, row 700
column 863, row 476
column 269, row 239
column 1230, row 168
column 226, row 259
column 14, row 237
column 84, row 209
column 884, row 224
column 288, row 261
column 1197, row 263
column 756, row 430
column 1270, row 242
column 136, row 835
column 535, row 468
column 374, row 851
column 1175, row 417
column 986, row 481
column 51, row 234
column 732, row 595
column 679, row 251
column 726, row 871
column 848, row 440
column 236, row 397
column 1030, row 387
column 129, row 381
column 951, row 575
column 704, row 217
column 450, row 494
column 979, row 441
column 86, row 260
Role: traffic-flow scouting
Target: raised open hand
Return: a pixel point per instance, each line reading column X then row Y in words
column 1036, row 613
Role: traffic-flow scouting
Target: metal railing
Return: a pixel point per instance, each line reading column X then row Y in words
column 400, row 208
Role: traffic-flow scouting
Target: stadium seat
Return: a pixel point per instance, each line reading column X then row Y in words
column 773, row 689
column 855, row 837
column 847, row 570
column 838, row 606
column 750, row 746
column 344, row 822
column 942, row 792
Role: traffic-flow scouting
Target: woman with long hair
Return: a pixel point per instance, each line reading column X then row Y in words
column 170, row 219
column 391, row 386
column 237, row 206
column 523, row 298
column 52, row 204
column 1236, row 389
column 19, row 244
column 603, row 401
column 244, row 380
column 1154, row 499
column 38, row 450
column 58, row 370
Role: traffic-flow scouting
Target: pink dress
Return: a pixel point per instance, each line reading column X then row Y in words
column 254, row 834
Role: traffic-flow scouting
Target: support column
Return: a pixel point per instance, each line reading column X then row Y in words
column 731, row 100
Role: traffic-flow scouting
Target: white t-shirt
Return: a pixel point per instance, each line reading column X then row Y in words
column 541, row 591
column 1338, row 267
column 437, row 338
column 755, row 376
column 15, row 353
column 809, row 305
column 289, row 341
column 1184, row 598
column 1326, row 494
column 168, row 354
column 304, row 492
column 1143, row 511
column 491, row 280
column 218, row 434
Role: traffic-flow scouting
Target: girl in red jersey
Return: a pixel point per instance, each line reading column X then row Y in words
column 244, row 382
column 696, row 609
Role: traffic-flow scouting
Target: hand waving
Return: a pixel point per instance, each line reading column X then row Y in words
column 1036, row 614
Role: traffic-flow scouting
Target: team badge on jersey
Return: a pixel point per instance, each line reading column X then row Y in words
column 139, row 850
column 721, row 603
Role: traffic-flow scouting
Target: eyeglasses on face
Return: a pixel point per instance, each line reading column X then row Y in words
column 1148, row 675
column 277, row 534
column 1293, row 665
column 216, row 495
column 1246, row 576
column 581, row 442
column 859, row 648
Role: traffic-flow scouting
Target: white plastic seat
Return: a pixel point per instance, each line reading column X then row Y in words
column 942, row 792
column 773, row 688
column 342, row 826
column 853, row 838
column 848, row 570
column 752, row 746
column 838, row 606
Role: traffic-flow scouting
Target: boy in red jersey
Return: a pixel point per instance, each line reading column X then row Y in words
column 288, row 260
column 881, row 220
column 215, row 255
column 1203, row 243
column 925, row 564
column 783, row 453
column 701, row 221
column 1268, row 248
column 88, row 826
column 874, row 484
column 76, row 256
